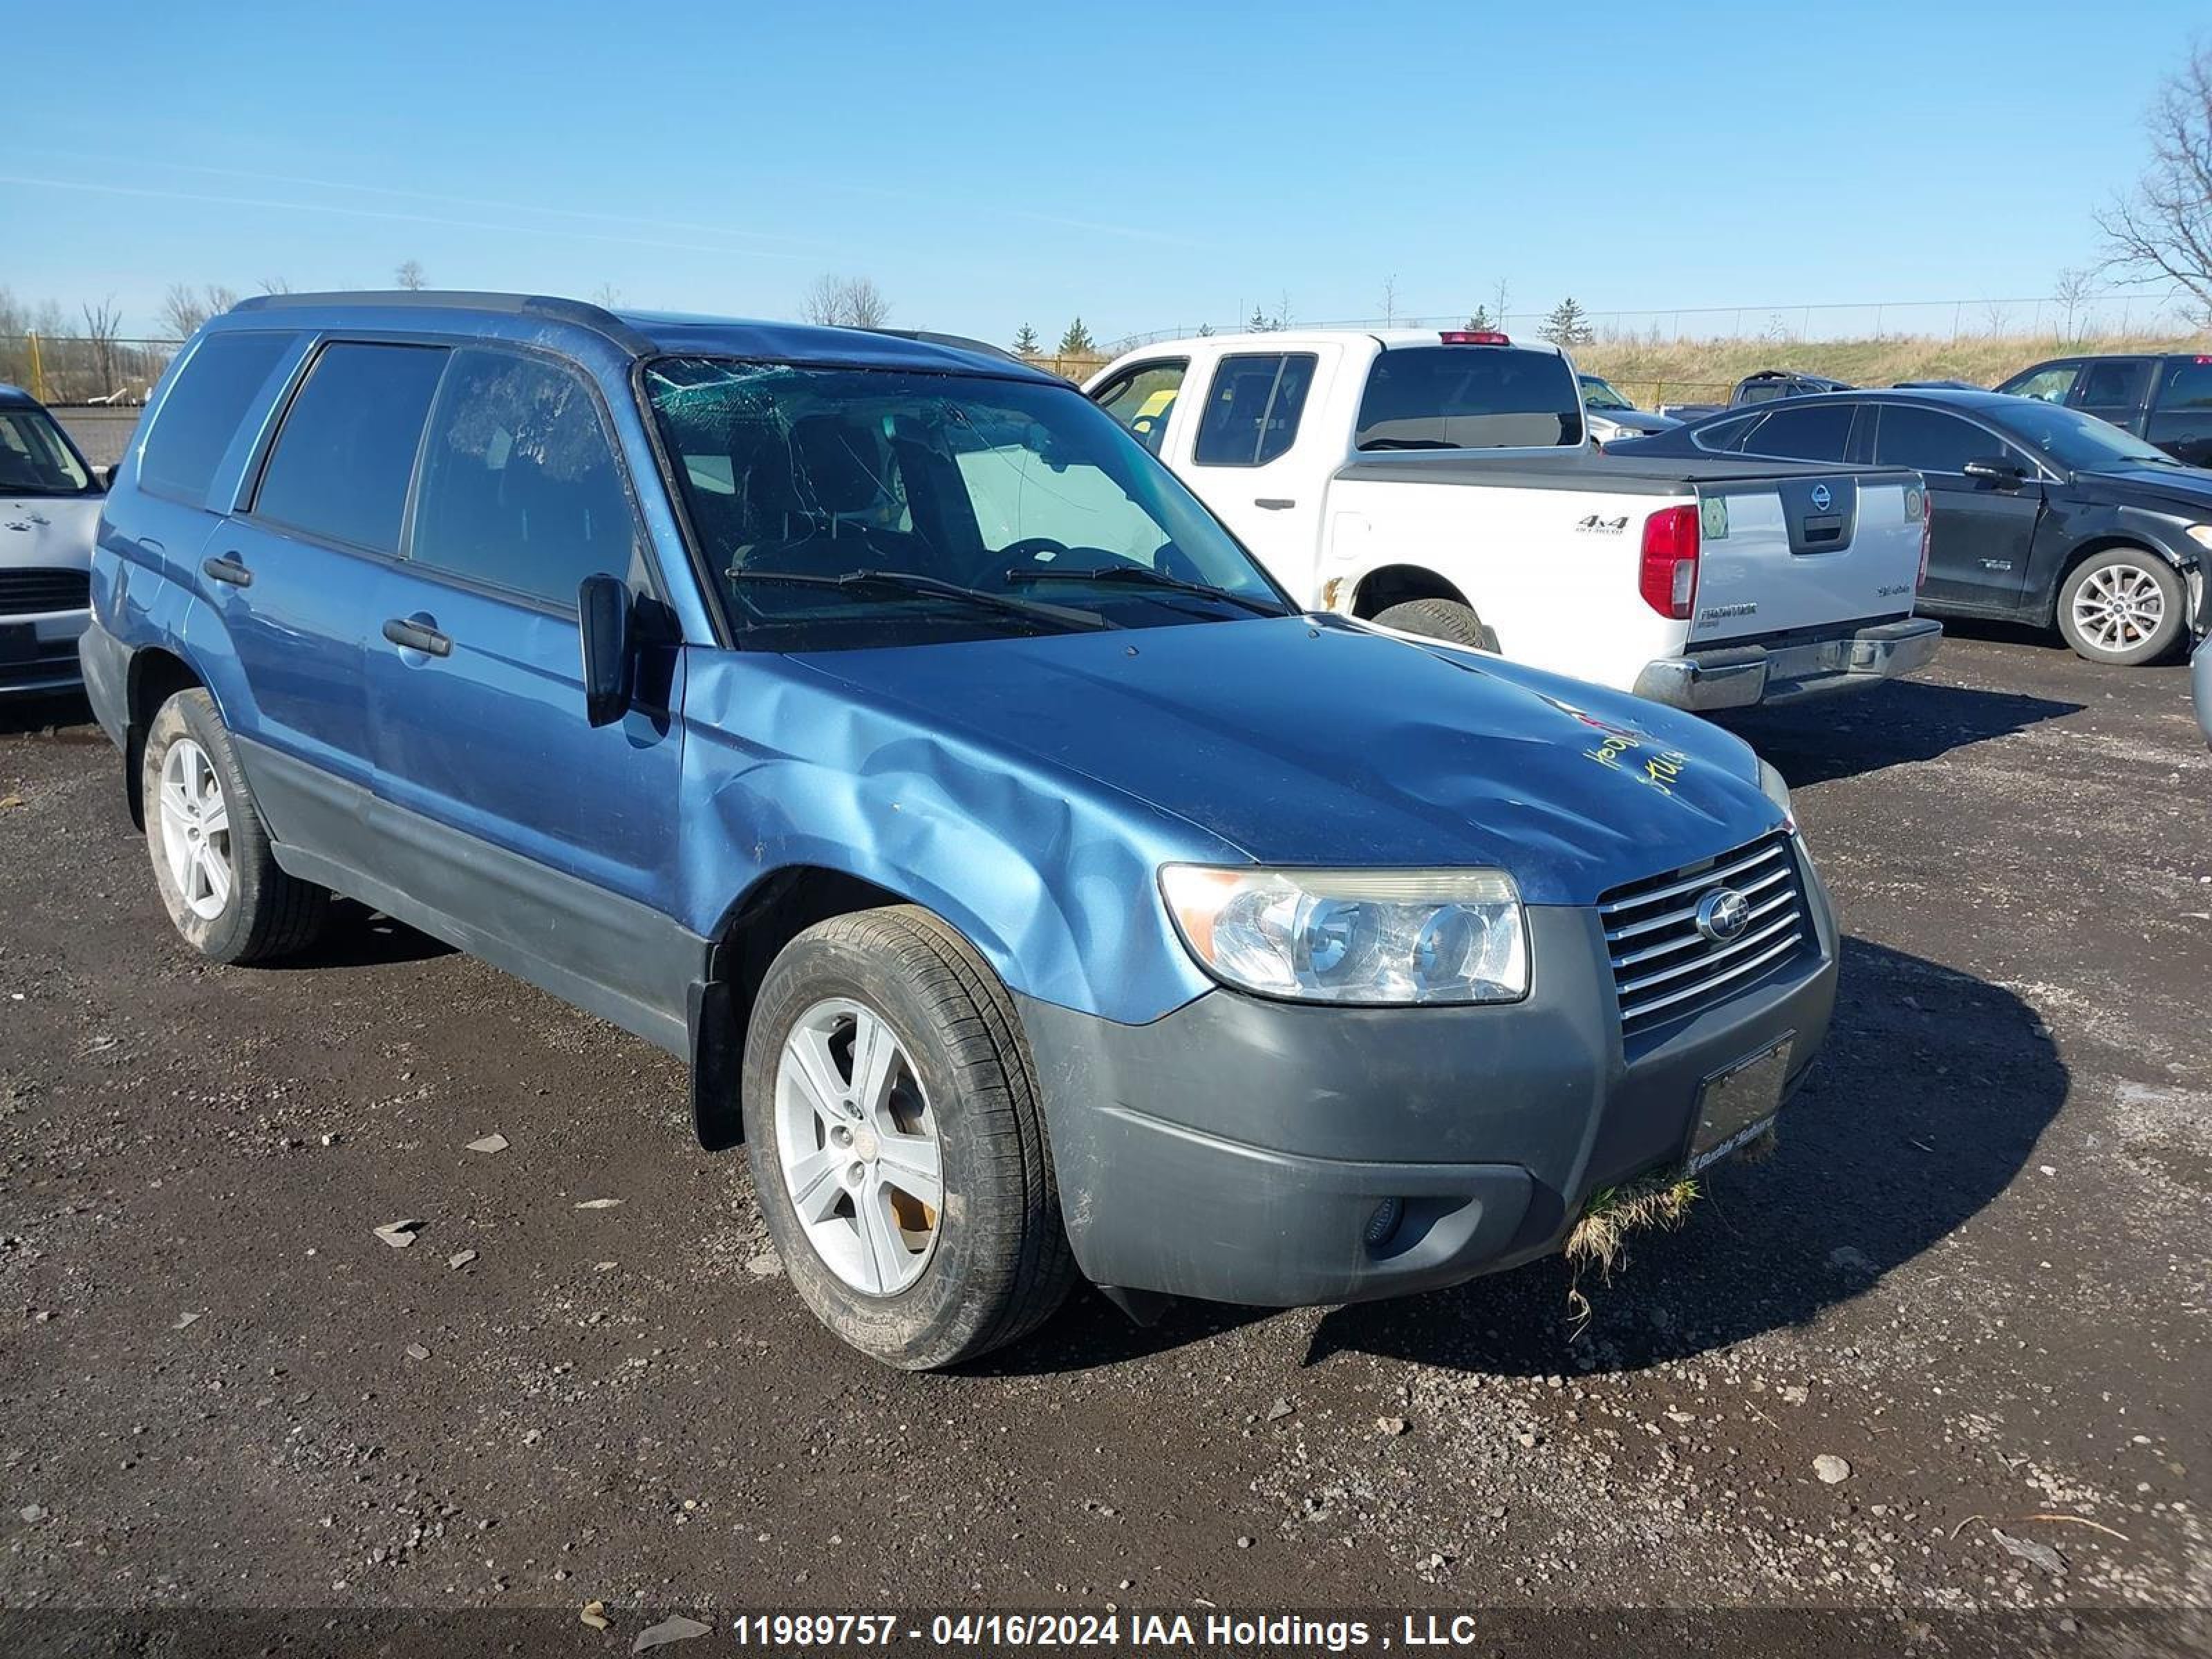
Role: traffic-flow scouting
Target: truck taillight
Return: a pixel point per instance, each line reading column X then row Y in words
column 1473, row 337
column 1668, row 575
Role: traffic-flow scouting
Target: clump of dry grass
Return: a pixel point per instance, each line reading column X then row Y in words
column 1600, row 1238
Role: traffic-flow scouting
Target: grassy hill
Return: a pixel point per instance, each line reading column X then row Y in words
column 1703, row 371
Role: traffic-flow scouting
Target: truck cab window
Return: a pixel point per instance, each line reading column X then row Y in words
column 1252, row 412
column 1143, row 399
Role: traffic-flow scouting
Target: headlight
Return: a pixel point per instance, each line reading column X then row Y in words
column 1355, row 936
column 1772, row 785
column 2200, row 533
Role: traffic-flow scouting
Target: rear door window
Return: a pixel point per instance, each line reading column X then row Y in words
column 340, row 470
column 2188, row 388
column 1929, row 440
column 1804, row 432
column 201, row 412
column 1726, row 437
column 1252, row 412
column 2113, row 388
column 520, row 488
column 1141, row 398
column 1469, row 397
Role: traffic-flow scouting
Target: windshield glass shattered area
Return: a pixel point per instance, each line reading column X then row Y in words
column 840, row 508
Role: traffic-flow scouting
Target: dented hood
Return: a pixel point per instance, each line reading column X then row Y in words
column 1315, row 741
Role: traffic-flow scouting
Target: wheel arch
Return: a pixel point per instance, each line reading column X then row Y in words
column 1396, row 584
column 775, row 909
column 156, row 674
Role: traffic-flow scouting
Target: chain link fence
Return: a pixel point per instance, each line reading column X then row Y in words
column 76, row 368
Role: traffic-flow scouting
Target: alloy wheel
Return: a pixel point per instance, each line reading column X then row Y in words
column 196, row 828
column 859, row 1147
column 2118, row 607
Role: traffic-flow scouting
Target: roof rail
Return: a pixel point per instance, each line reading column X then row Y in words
column 958, row 341
column 597, row 318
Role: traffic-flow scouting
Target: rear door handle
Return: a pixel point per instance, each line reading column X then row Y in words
column 418, row 636
column 229, row 568
column 1274, row 503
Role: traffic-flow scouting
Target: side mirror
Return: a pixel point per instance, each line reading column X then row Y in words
column 1997, row 472
column 604, row 618
column 104, row 476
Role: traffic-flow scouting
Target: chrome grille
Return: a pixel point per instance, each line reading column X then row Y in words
column 1664, row 968
column 26, row 593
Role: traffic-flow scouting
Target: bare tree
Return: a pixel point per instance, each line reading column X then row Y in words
column 410, row 276
column 102, row 323
column 837, row 301
column 1499, row 310
column 2163, row 232
column 275, row 285
column 2073, row 292
column 183, row 307
column 1998, row 316
column 1390, row 300
column 607, row 297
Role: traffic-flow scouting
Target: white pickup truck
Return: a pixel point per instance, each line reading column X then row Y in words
column 1443, row 484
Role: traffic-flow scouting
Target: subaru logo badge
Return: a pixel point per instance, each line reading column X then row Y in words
column 1723, row 914
column 1821, row 498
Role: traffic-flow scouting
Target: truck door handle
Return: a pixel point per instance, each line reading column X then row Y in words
column 229, row 568
column 1274, row 503
column 412, row 635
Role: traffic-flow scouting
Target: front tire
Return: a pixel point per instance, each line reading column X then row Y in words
column 219, row 881
column 2123, row 606
column 1440, row 619
column 896, row 1142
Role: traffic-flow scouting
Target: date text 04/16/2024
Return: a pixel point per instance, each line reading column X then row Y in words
column 1140, row 1632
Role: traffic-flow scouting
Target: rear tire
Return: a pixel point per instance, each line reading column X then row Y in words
column 2122, row 607
column 989, row 1261
column 1440, row 619
column 219, row 881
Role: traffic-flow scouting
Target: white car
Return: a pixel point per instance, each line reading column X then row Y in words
column 1445, row 485
column 50, row 499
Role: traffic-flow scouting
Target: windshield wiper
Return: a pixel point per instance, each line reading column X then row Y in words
column 1150, row 578
column 909, row 581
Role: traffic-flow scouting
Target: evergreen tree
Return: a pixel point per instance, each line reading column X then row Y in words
column 1260, row 323
column 1026, row 342
column 1077, row 342
column 1568, row 324
column 1480, row 323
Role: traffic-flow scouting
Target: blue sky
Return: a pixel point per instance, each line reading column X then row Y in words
column 1144, row 166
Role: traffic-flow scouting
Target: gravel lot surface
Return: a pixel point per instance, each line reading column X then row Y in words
column 1948, row 1350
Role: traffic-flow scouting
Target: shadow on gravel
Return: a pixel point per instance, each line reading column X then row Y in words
column 358, row 937
column 1905, row 720
column 66, row 714
column 1926, row 1104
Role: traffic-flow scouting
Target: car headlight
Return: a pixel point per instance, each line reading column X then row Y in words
column 2200, row 533
column 1775, row 789
column 1374, row 937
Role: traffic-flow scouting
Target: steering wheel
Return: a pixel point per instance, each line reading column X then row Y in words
column 1030, row 551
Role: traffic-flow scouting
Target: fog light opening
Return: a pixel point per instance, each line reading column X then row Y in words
column 1382, row 1225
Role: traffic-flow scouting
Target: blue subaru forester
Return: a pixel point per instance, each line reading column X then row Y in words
column 869, row 720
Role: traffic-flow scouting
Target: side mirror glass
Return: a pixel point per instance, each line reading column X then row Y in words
column 1995, row 471
column 605, row 618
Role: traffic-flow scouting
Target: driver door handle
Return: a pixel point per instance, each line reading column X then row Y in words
column 229, row 568
column 414, row 636
column 1274, row 503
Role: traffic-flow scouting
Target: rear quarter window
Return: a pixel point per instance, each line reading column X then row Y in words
column 1469, row 397
column 199, row 415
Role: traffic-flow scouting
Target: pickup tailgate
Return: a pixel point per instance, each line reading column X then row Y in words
column 1783, row 548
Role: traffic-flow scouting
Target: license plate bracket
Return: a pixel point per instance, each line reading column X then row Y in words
column 1738, row 1103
